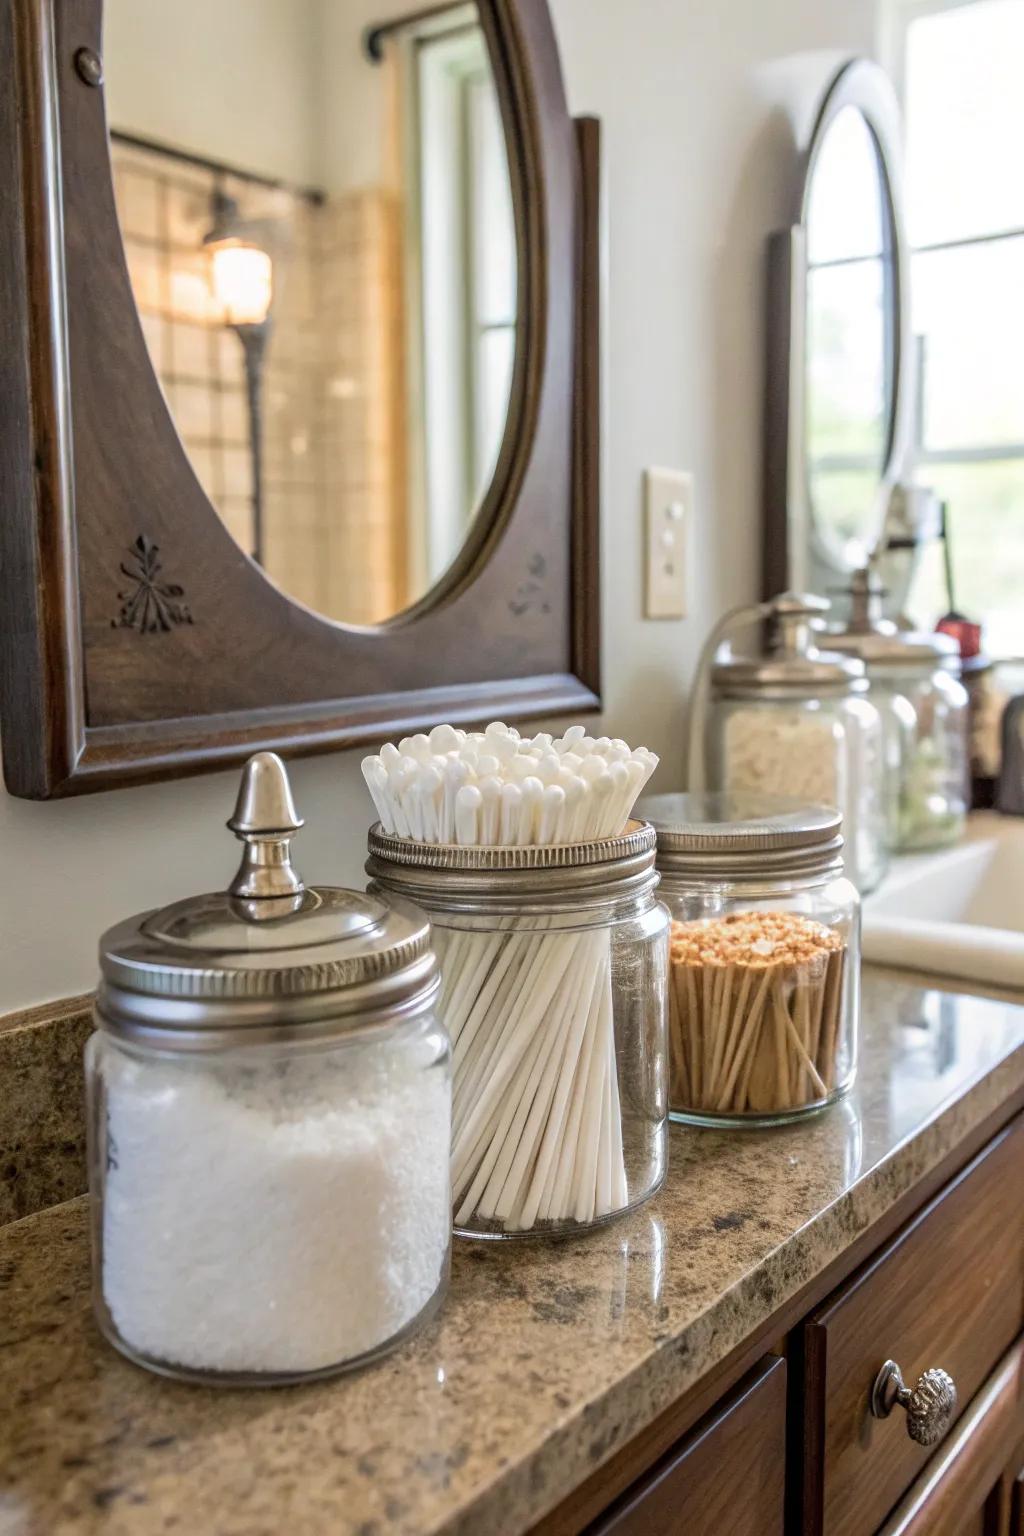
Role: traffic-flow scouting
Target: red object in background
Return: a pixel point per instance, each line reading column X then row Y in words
column 966, row 634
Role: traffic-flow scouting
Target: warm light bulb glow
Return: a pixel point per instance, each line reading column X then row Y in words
column 243, row 283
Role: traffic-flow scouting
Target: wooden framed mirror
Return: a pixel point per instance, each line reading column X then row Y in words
column 838, row 382
column 300, row 446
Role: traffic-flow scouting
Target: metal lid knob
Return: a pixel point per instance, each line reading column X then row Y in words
column 930, row 1405
column 265, row 820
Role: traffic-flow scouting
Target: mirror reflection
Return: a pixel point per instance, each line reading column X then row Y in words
column 321, row 244
column 850, row 338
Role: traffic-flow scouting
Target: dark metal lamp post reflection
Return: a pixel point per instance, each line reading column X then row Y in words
column 242, row 276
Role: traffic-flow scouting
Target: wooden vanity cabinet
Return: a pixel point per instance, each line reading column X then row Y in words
column 727, row 1478
column 947, row 1291
column 794, row 1450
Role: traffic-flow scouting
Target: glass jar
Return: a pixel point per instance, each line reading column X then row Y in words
column 765, row 957
column 913, row 680
column 797, row 722
column 554, row 966
column 269, row 1122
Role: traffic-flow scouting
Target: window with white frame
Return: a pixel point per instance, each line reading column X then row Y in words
column 958, row 64
column 466, row 306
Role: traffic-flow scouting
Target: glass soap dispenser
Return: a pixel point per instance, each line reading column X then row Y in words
column 793, row 721
column 914, row 682
column 269, row 1121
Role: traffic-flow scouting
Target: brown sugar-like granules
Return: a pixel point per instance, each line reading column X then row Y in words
column 756, row 1003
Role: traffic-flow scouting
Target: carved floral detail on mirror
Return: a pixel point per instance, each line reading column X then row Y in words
column 137, row 376
column 150, row 604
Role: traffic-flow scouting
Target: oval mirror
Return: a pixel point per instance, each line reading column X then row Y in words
column 315, row 205
column 851, row 336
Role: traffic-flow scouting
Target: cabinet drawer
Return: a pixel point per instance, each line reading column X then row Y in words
column 725, row 1479
column 947, row 1291
column 960, row 1490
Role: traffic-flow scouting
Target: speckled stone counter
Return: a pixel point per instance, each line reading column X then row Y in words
column 546, row 1358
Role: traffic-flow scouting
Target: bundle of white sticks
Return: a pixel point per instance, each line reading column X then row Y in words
column 537, row 1119
column 496, row 789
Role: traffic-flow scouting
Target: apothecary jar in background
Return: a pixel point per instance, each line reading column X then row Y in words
column 796, row 721
column 914, row 682
column 269, row 1121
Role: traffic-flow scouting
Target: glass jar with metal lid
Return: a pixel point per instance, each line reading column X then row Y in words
column 796, row 721
column 269, row 1121
column 764, row 973
column 554, row 964
column 914, row 682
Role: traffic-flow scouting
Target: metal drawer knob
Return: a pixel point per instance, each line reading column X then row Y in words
column 930, row 1405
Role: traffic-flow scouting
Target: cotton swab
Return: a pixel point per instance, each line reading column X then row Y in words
column 537, row 1116
column 467, row 810
column 410, row 804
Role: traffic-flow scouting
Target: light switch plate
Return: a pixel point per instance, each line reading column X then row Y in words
column 668, row 515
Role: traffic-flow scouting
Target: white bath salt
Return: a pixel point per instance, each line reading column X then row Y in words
column 282, row 1218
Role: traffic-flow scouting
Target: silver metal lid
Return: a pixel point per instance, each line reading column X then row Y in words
column 793, row 662
column 736, row 833
column 268, row 954
column 877, row 641
column 444, row 876
column 887, row 647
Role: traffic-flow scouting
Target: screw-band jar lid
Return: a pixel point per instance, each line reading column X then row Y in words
column 485, row 877
column 739, row 833
column 269, row 954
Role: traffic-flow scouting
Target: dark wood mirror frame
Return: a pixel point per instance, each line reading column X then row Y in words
column 99, row 498
column 795, row 553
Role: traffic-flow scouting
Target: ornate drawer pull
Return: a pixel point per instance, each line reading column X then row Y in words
column 930, row 1405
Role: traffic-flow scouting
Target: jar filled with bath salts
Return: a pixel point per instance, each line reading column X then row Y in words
column 269, row 1121
column 554, row 965
column 764, row 971
column 797, row 722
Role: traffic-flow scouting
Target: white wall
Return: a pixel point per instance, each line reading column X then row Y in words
column 190, row 72
column 695, row 164
column 280, row 87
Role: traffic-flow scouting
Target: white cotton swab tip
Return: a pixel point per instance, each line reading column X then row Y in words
column 429, row 788
column 531, row 791
column 376, row 777
column 490, row 811
column 467, row 811
column 443, row 738
column 551, row 808
column 511, row 806
column 575, row 802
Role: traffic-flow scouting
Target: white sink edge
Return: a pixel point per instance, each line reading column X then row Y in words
column 992, row 956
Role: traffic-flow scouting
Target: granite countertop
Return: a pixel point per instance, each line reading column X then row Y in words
column 546, row 1358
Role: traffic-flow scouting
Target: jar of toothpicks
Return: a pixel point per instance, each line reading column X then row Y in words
column 764, row 957
column 554, row 959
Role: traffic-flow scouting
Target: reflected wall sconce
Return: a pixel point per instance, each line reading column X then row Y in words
column 242, row 282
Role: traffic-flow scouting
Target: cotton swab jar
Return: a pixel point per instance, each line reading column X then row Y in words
column 765, row 957
column 554, row 967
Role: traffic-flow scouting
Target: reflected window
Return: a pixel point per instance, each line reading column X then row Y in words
column 849, row 381
column 464, row 307
column 964, row 110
